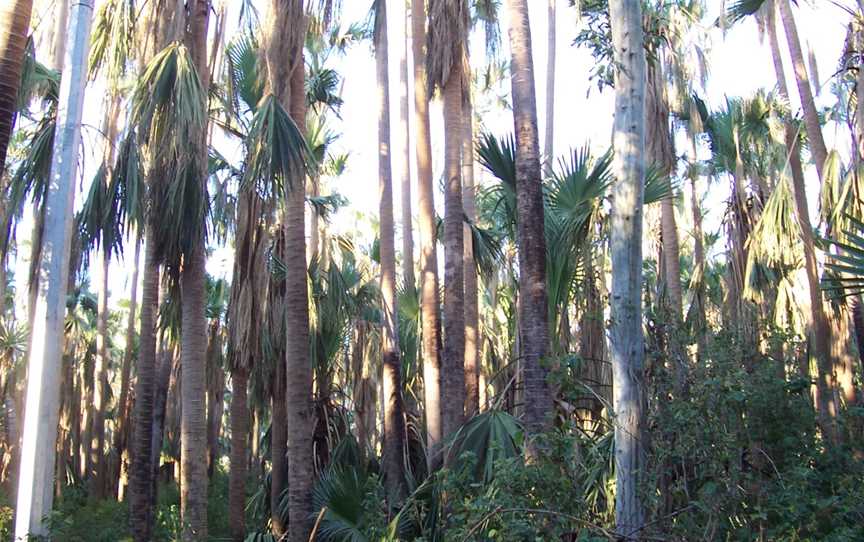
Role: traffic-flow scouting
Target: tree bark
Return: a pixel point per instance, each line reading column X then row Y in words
column 549, row 139
column 822, row 331
column 394, row 414
column 121, row 433
column 140, row 512
column 14, row 29
column 429, row 300
column 402, row 45
column 472, row 316
column 530, row 235
column 36, row 478
column 278, row 450
column 626, row 246
column 453, row 392
column 239, row 434
column 300, row 418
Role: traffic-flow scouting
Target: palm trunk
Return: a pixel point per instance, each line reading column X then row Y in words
column 402, row 45
column 193, row 422
column 530, row 237
column 808, row 105
column 215, row 392
column 239, row 434
column 100, row 384
column 278, row 449
column 14, row 29
column 429, row 298
column 300, row 416
column 626, row 246
column 141, row 475
column 36, row 479
column 453, row 392
column 165, row 358
column 472, row 316
column 121, row 432
column 394, row 414
column 822, row 332
column 549, row 140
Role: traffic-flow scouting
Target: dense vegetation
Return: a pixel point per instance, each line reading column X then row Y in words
column 567, row 349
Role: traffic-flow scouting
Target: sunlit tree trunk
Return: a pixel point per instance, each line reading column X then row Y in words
column 394, row 414
column 429, row 299
column 530, row 235
column 472, row 315
column 404, row 145
column 36, row 478
column 821, row 329
column 193, row 336
column 549, row 139
column 626, row 247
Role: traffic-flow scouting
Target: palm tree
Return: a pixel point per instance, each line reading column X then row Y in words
column 14, row 27
column 472, row 317
column 626, row 247
column 402, row 46
column 429, row 296
column 448, row 26
column 193, row 349
column 548, row 140
column 36, row 480
column 285, row 31
column 533, row 316
column 394, row 415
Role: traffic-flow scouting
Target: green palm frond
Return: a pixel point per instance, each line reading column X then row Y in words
column 740, row 9
column 169, row 111
column 488, row 251
column 498, row 157
column 658, row 186
column 95, row 220
column 322, row 89
column 278, row 153
column 37, row 81
column 844, row 268
column 340, row 493
column 489, row 437
column 112, row 38
column 577, row 188
column 244, row 83
column 127, row 184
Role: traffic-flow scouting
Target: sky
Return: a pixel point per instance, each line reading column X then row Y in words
column 739, row 65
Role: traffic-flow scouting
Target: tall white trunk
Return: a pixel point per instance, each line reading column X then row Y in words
column 548, row 144
column 626, row 246
column 35, row 482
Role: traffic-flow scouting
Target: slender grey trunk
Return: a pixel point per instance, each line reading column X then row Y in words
column 627, row 346
column 36, row 478
column 549, row 140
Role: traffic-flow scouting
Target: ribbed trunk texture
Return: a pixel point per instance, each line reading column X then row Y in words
column 14, row 29
column 429, row 298
column 142, row 413
column 394, row 414
column 121, row 431
column 301, row 474
column 472, row 317
column 626, row 246
column 215, row 392
column 530, row 238
column 237, row 474
column 278, row 450
column 453, row 389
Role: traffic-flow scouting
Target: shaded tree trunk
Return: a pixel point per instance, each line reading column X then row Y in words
column 239, row 433
column 530, row 236
column 121, row 432
column 14, row 29
column 404, row 145
column 626, row 246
